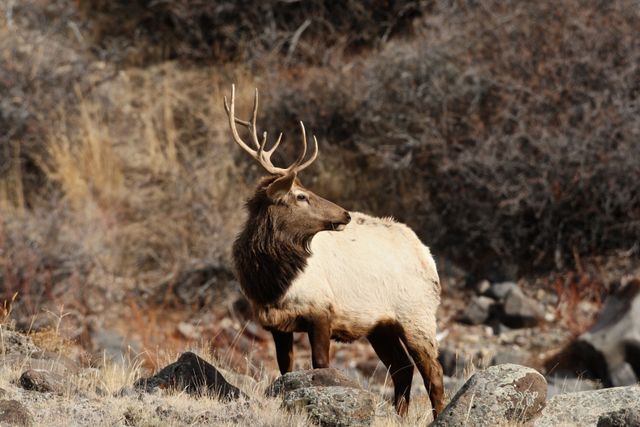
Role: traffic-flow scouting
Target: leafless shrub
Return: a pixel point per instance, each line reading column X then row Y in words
column 43, row 66
column 148, row 31
column 40, row 267
column 516, row 123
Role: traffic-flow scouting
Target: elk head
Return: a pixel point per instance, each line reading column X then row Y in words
column 291, row 208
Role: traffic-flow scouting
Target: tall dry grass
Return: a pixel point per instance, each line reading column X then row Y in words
column 158, row 190
column 504, row 133
column 142, row 185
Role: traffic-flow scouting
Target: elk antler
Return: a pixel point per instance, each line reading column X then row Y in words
column 260, row 154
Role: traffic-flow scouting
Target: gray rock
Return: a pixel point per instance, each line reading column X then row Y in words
column 478, row 311
column 333, row 406
column 14, row 413
column 44, row 381
column 310, row 378
column 621, row 375
column 453, row 363
column 499, row 291
column 499, row 395
column 15, row 343
column 610, row 349
column 520, row 311
column 586, row 407
column 482, row 287
column 621, row 418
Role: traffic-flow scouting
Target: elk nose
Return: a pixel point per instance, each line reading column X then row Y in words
column 347, row 217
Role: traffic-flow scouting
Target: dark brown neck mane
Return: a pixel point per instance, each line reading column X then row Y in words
column 267, row 259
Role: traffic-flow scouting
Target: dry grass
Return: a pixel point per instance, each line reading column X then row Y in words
column 159, row 189
column 142, row 186
column 505, row 133
column 103, row 396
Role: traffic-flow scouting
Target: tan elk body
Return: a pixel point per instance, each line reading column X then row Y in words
column 308, row 265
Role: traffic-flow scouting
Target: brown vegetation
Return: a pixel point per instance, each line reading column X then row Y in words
column 504, row 133
column 515, row 126
column 144, row 31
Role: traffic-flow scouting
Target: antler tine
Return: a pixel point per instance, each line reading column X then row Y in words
column 276, row 144
column 300, row 158
column 232, row 121
column 312, row 158
column 254, row 117
column 267, row 153
column 261, row 150
column 257, row 155
column 261, row 154
column 251, row 125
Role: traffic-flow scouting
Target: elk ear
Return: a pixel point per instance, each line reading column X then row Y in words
column 281, row 186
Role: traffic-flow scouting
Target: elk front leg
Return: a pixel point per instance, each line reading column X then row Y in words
column 284, row 350
column 320, row 339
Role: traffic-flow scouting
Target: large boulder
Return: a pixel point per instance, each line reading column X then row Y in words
column 328, row 396
column 500, row 395
column 586, row 407
column 610, row 349
column 192, row 374
column 333, row 406
column 325, row 377
column 44, row 381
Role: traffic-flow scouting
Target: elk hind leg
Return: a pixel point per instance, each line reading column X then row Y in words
column 386, row 342
column 424, row 352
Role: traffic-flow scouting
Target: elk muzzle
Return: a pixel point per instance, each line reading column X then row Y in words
column 340, row 224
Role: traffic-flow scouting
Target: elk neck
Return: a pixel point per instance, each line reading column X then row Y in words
column 267, row 259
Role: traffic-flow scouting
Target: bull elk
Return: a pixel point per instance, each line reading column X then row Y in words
column 308, row 265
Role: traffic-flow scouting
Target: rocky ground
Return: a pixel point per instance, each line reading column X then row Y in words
column 495, row 374
column 46, row 388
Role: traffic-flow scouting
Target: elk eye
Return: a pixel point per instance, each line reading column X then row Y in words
column 302, row 197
